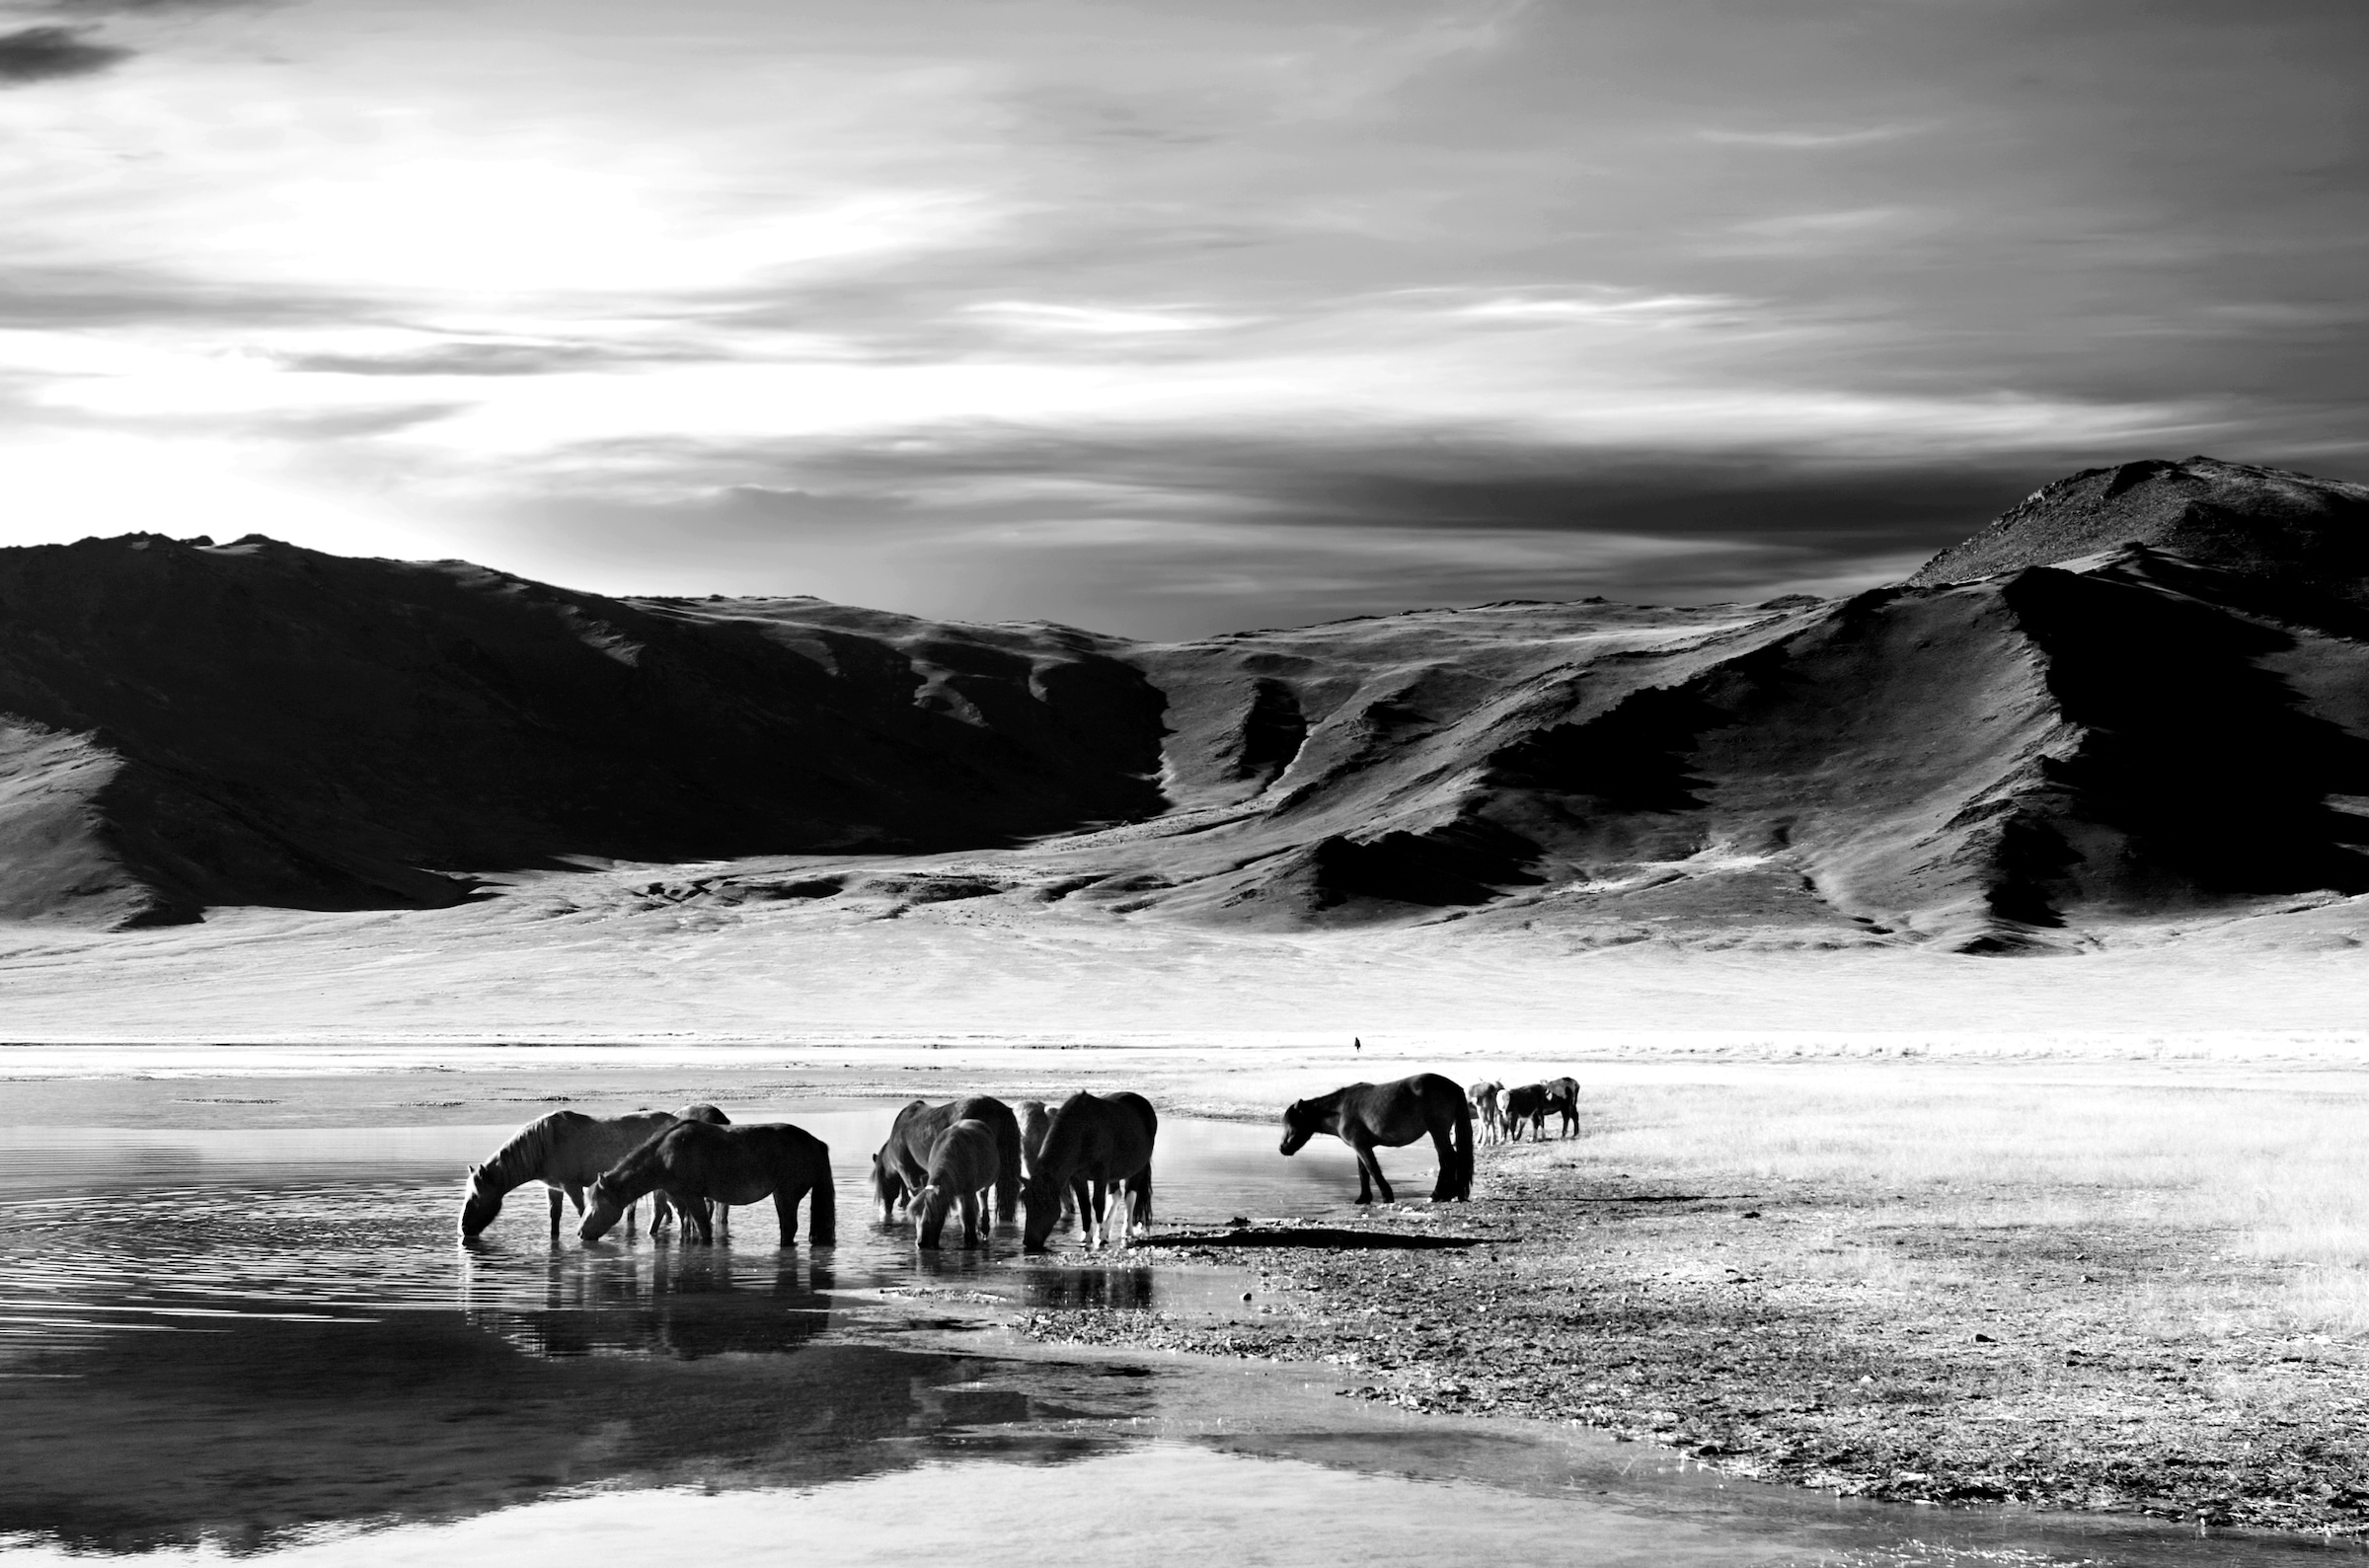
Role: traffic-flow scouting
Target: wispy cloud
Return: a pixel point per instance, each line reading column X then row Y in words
column 1810, row 140
column 1098, row 321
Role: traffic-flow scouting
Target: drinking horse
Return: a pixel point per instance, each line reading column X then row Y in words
column 563, row 1150
column 963, row 1163
column 1035, row 1122
column 1392, row 1115
column 1100, row 1150
column 697, row 1164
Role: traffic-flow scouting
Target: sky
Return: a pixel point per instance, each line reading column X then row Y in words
column 1166, row 318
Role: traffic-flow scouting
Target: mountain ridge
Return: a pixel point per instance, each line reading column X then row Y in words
column 2142, row 692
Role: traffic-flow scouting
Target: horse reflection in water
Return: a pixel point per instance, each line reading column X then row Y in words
column 686, row 1305
column 1131, row 1290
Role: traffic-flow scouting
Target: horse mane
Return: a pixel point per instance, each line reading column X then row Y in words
column 520, row 1160
column 638, row 1173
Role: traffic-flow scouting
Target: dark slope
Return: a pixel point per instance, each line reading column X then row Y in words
column 1987, row 763
column 257, row 724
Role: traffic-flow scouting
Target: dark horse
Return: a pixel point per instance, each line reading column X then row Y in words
column 1099, row 1148
column 1531, row 1102
column 697, row 1164
column 1035, row 1122
column 1391, row 1115
column 698, row 1111
column 902, row 1166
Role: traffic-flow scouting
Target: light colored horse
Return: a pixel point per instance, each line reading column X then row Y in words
column 1488, row 1114
column 566, row 1152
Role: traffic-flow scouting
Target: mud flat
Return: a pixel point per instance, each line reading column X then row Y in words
column 2134, row 1298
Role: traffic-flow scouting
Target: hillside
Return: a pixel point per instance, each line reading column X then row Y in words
column 2136, row 697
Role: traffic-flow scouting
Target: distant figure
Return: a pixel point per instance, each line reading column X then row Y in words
column 1392, row 1115
column 1356, row 1044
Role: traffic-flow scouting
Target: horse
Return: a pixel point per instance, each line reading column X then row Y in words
column 1035, row 1122
column 1393, row 1114
column 563, row 1150
column 901, row 1167
column 661, row 1209
column 698, row 1163
column 963, row 1161
column 1562, row 1094
column 1531, row 1102
column 1483, row 1097
column 1099, row 1148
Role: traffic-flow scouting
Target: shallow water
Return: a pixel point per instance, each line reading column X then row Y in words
column 267, row 1341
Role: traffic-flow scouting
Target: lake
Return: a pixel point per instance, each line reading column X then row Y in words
column 265, row 1342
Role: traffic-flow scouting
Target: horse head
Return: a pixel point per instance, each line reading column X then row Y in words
column 602, row 1209
column 1041, row 1211
column 929, row 1208
column 478, row 1208
column 1298, row 1126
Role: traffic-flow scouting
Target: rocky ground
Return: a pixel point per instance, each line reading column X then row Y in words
column 1874, row 1344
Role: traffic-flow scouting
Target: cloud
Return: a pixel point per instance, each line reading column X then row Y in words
column 1809, row 140
column 1100, row 321
column 1174, row 537
column 54, row 53
column 467, row 359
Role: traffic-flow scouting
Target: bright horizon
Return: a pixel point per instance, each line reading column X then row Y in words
column 1163, row 319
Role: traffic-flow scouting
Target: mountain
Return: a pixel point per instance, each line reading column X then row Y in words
column 2140, row 694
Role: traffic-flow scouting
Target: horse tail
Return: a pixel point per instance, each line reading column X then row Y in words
column 822, row 1202
column 1463, row 1184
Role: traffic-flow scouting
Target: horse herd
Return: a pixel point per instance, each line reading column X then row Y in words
column 1090, row 1157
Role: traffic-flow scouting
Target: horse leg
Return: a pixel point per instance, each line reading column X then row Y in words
column 1367, row 1162
column 1445, row 1187
column 556, row 1200
column 785, row 1209
column 1140, row 1185
column 970, row 1219
column 1081, row 1197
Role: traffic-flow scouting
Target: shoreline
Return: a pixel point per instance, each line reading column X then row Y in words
column 2119, row 1292
column 1583, row 1304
